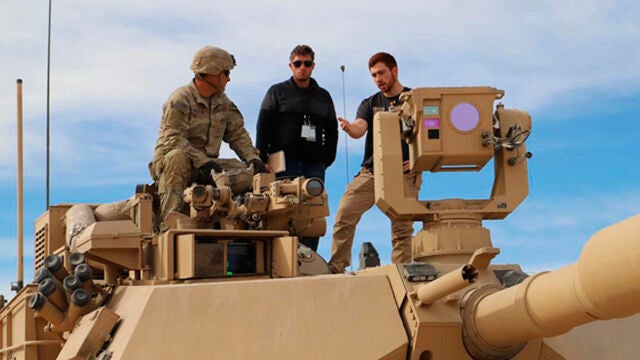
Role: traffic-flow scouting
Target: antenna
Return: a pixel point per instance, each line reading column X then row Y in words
column 17, row 286
column 344, row 112
column 48, row 77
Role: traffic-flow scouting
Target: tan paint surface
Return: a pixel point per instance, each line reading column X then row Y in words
column 323, row 317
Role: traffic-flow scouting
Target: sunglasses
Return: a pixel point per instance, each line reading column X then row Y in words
column 226, row 72
column 298, row 63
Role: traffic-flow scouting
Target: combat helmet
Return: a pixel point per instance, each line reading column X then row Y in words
column 212, row 60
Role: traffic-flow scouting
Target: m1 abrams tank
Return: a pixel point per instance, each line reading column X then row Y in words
column 229, row 281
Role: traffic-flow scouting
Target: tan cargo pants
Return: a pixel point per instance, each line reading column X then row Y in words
column 356, row 200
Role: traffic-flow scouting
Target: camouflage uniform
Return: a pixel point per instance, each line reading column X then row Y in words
column 191, row 132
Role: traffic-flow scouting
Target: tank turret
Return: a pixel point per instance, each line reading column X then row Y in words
column 456, row 129
column 227, row 279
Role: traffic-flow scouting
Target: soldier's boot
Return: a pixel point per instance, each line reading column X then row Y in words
column 178, row 220
column 170, row 201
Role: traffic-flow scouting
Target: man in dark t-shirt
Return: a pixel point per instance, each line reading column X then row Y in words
column 359, row 195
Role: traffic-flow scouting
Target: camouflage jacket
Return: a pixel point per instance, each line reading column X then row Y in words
column 198, row 126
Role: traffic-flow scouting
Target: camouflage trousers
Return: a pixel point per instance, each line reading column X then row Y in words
column 356, row 200
column 172, row 173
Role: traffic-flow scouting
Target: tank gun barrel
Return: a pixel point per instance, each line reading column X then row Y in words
column 603, row 284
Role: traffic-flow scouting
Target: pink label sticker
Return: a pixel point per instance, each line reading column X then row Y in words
column 431, row 123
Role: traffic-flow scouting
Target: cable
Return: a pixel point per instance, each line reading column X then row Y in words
column 344, row 110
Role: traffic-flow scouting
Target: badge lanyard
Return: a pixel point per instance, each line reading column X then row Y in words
column 308, row 131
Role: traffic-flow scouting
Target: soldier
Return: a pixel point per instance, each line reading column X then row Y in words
column 297, row 116
column 359, row 195
column 195, row 120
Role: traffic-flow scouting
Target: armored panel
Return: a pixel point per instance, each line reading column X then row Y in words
column 198, row 258
column 449, row 125
column 22, row 335
column 202, row 256
column 317, row 317
column 49, row 233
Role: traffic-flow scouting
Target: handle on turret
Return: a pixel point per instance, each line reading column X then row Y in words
column 451, row 282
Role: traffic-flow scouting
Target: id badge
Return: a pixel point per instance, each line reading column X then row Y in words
column 308, row 132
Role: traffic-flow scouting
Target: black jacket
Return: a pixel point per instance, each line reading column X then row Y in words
column 284, row 110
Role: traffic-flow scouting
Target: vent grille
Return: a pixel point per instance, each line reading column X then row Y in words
column 39, row 243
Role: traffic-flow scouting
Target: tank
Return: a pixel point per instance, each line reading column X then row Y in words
column 228, row 279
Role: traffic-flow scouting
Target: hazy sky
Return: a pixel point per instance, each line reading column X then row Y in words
column 572, row 64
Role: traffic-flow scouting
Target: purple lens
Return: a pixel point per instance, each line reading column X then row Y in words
column 465, row 117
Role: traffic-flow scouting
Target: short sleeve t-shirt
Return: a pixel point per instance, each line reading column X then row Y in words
column 368, row 107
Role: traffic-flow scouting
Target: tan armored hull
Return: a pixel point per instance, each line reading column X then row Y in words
column 309, row 318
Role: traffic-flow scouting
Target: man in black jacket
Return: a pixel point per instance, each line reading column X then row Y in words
column 298, row 117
